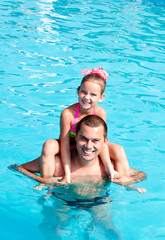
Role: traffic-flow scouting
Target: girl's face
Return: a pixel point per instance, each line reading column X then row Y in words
column 89, row 94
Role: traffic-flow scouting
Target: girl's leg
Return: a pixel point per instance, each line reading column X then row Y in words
column 118, row 155
column 47, row 163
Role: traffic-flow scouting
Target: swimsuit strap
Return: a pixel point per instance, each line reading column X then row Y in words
column 76, row 115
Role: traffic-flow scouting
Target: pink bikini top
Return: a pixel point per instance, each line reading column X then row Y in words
column 72, row 128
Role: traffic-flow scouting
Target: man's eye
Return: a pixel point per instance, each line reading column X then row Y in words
column 82, row 138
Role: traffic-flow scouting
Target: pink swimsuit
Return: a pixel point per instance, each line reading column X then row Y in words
column 73, row 128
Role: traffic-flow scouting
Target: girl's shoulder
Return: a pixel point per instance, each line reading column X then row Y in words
column 99, row 111
column 70, row 111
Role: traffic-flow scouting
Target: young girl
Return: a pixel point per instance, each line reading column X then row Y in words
column 90, row 92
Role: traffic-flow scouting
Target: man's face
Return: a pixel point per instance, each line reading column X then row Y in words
column 89, row 142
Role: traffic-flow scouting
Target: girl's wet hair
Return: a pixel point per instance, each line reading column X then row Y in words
column 95, row 79
column 92, row 121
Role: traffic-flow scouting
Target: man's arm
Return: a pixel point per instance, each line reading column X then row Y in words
column 36, row 177
column 138, row 189
column 135, row 176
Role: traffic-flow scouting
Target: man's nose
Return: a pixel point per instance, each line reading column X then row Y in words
column 89, row 144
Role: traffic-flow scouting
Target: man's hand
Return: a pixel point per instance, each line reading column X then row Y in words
column 113, row 175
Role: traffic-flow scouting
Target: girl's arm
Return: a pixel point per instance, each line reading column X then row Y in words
column 105, row 155
column 65, row 123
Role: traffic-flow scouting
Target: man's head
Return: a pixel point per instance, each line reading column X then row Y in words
column 93, row 121
column 91, row 136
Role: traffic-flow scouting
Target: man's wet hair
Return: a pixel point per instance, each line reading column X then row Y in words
column 92, row 121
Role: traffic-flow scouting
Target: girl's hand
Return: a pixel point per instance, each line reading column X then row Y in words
column 113, row 175
column 66, row 179
column 116, row 175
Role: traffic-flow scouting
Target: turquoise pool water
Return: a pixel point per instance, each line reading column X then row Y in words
column 44, row 46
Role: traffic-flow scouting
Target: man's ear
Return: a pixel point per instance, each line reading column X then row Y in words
column 106, row 140
column 101, row 97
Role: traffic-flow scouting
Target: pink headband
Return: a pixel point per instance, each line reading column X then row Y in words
column 98, row 71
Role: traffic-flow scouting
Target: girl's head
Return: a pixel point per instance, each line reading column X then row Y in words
column 97, row 76
column 92, row 87
column 93, row 78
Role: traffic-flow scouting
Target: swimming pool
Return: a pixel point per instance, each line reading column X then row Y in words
column 44, row 46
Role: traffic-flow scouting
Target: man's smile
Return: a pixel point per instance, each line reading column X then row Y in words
column 88, row 152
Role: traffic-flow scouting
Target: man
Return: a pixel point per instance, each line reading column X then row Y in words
column 86, row 165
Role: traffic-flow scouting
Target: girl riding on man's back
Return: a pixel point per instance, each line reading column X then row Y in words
column 90, row 92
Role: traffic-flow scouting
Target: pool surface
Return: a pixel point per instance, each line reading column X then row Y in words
column 44, row 46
